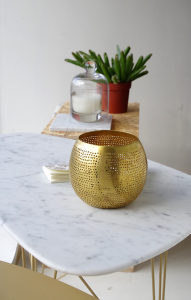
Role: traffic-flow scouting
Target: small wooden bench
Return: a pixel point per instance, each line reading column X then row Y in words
column 127, row 122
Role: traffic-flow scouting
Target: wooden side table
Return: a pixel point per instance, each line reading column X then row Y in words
column 127, row 122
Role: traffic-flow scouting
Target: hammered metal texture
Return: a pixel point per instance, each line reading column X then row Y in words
column 108, row 169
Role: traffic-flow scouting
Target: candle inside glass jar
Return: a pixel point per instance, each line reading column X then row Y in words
column 87, row 103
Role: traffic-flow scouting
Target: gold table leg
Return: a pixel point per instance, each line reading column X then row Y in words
column 42, row 268
column 61, row 276
column 161, row 288
column 153, row 277
column 35, row 264
column 160, row 276
column 164, row 275
column 32, row 262
column 55, row 274
column 23, row 257
column 88, row 287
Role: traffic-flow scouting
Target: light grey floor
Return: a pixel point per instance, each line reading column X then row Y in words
column 137, row 285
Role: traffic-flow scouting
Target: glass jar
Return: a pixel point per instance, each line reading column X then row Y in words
column 89, row 99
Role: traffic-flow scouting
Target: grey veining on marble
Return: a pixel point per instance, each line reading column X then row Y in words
column 63, row 232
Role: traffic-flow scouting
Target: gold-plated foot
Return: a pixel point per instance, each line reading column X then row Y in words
column 161, row 288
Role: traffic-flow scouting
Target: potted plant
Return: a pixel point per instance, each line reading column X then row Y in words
column 120, row 73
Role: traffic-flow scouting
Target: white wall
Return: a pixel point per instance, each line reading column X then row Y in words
column 36, row 36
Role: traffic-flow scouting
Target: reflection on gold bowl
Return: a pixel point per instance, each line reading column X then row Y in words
column 108, row 169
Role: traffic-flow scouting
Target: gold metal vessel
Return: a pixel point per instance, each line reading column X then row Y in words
column 108, row 169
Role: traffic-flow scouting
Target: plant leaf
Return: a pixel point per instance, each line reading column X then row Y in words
column 75, row 63
column 132, row 64
column 100, row 59
column 111, row 71
column 122, row 62
column 117, row 67
column 139, row 75
column 128, row 66
column 106, row 72
column 139, row 63
column 78, row 57
column 118, row 52
column 115, row 79
column 83, row 53
column 106, row 60
column 86, row 58
column 113, row 64
column 126, row 51
column 93, row 55
column 146, row 58
column 134, row 73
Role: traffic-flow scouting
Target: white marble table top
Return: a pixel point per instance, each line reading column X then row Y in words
column 8, row 247
column 63, row 232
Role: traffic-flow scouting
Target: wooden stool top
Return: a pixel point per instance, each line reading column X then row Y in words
column 127, row 122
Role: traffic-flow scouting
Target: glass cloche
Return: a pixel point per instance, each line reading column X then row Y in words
column 89, row 99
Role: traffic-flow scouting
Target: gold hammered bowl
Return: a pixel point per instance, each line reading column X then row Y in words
column 108, row 169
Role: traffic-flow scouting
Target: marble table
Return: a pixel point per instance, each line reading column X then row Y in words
column 10, row 251
column 63, row 232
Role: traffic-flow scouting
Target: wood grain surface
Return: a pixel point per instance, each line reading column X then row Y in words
column 127, row 122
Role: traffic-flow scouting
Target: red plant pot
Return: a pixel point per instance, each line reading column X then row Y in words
column 118, row 97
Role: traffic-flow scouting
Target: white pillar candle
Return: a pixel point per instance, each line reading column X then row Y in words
column 87, row 103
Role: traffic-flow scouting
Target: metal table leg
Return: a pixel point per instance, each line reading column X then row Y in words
column 161, row 287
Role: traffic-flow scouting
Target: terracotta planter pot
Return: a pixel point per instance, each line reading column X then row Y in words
column 118, row 97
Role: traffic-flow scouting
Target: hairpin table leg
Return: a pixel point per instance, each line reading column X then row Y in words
column 23, row 257
column 88, row 287
column 42, row 268
column 35, row 264
column 32, row 262
column 161, row 288
column 61, row 276
column 55, row 274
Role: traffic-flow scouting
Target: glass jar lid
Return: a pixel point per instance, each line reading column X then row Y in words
column 89, row 95
column 90, row 74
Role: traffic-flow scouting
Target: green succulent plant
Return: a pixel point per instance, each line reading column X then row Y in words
column 120, row 69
